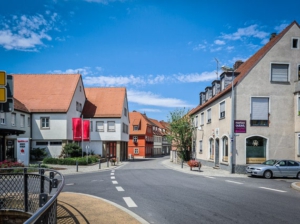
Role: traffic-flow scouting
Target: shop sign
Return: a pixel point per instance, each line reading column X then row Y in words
column 239, row 126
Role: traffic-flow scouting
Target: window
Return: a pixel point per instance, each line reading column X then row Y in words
column 45, row 123
column 222, row 109
column 225, row 149
column 196, row 121
column 209, row 116
column 211, row 149
column 91, row 126
column 136, row 151
column 41, row 143
column 135, row 138
column 279, row 73
column 295, row 43
column 28, row 121
column 259, row 111
column 22, row 121
column 202, row 119
column 298, row 112
column 110, row 126
column 78, row 106
column 2, row 118
column 292, row 163
column 298, row 72
column 135, row 127
column 99, row 126
column 222, row 84
column 55, row 143
column 200, row 147
column 125, row 111
column 13, row 119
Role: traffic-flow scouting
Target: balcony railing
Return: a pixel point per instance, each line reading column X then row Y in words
column 29, row 194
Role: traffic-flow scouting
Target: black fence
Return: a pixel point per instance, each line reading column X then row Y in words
column 29, row 193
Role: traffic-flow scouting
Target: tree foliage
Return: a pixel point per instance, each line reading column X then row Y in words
column 72, row 150
column 181, row 131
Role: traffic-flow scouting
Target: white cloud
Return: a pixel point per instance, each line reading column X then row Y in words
column 219, row 42
column 199, row 47
column 105, row 2
column 216, row 49
column 281, row 27
column 83, row 71
column 151, row 99
column 150, row 110
column 196, row 77
column 250, row 31
column 113, row 80
column 26, row 32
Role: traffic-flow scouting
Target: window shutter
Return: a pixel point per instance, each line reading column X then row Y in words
column 280, row 72
column 222, row 107
column 260, row 108
column 209, row 114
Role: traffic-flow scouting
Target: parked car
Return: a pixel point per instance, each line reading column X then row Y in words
column 275, row 168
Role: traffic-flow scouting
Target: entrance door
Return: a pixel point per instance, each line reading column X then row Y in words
column 10, row 150
column 217, row 160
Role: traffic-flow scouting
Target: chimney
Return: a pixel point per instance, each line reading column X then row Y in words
column 237, row 64
column 273, row 35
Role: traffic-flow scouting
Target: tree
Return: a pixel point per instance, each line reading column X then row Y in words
column 181, row 132
column 72, row 150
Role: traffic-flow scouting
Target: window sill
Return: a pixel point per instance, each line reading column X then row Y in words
column 221, row 118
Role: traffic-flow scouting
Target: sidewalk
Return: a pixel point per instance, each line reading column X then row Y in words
column 83, row 208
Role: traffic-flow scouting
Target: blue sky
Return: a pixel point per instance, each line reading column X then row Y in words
column 163, row 52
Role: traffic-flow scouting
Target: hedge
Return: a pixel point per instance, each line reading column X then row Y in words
column 71, row 161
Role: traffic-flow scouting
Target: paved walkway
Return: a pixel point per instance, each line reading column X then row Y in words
column 82, row 208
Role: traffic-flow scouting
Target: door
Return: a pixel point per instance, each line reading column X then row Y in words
column 293, row 168
column 281, row 169
column 217, row 159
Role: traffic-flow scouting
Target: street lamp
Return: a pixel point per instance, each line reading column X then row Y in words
column 228, row 69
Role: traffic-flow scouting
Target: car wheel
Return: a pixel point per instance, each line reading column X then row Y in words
column 268, row 174
column 298, row 175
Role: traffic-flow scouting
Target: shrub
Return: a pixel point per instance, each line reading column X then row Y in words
column 38, row 153
column 72, row 150
column 7, row 164
column 71, row 161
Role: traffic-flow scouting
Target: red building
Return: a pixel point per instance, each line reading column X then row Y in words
column 140, row 136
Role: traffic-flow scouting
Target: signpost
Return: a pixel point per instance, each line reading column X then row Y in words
column 3, row 91
column 23, row 151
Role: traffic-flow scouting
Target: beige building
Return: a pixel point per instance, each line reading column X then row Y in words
column 258, row 118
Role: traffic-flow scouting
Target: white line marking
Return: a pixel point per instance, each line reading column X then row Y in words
column 233, row 182
column 115, row 182
column 130, row 203
column 112, row 174
column 113, row 171
column 120, row 189
column 272, row 189
column 112, row 177
column 210, row 177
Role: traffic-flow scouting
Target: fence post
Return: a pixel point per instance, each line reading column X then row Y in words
column 99, row 163
column 42, row 179
column 25, row 190
column 76, row 165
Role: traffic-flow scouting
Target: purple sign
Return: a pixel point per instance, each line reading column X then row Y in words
column 239, row 126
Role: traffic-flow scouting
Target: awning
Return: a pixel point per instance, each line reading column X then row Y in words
column 11, row 132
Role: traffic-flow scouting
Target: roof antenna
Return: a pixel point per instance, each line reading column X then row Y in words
column 217, row 68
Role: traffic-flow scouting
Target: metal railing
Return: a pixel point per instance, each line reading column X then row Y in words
column 31, row 191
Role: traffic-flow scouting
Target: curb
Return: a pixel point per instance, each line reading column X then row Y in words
column 296, row 186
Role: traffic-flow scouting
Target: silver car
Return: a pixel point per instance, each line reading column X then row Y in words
column 275, row 168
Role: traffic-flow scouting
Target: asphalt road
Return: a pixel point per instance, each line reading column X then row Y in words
column 162, row 195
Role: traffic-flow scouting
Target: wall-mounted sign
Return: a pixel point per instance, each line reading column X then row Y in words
column 23, row 150
column 239, row 126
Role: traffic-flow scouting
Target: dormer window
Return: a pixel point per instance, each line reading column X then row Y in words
column 135, row 127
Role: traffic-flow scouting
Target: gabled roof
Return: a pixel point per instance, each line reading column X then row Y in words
column 45, row 92
column 246, row 67
column 104, row 102
column 20, row 106
column 144, row 123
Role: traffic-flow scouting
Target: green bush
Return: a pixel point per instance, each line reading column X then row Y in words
column 72, row 150
column 71, row 161
column 38, row 153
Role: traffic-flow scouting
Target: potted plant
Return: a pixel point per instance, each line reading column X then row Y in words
column 113, row 161
column 194, row 163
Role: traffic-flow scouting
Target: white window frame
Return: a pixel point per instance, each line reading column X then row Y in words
column 288, row 72
column 98, row 126
column 259, row 116
column 222, row 110
column 111, row 126
column 2, row 118
column 45, row 122
column 211, row 149
column 196, row 121
column 136, row 151
column 13, row 119
column 200, row 146
column 202, row 118
column 28, row 121
column 208, row 112
column 224, row 149
column 22, row 120
column 135, row 138
column 91, row 125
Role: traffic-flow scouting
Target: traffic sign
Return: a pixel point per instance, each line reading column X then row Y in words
column 3, row 94
column 2, row 78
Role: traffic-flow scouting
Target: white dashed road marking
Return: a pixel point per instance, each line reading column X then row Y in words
column 113, row 177
column 120, row 189
column 272, row 189
column 233, row 182
column 112, row 171
column 115, row 182
column 112, row 174
column 130, row 203
column 210, row 177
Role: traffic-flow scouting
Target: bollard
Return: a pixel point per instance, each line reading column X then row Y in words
column 181, row 163
column 99, row 163
column 76, row 165
column 107, row 162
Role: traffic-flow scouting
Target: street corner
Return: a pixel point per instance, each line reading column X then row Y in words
column 296, row 186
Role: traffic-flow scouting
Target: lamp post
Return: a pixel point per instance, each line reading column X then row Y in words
column 228, row 69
